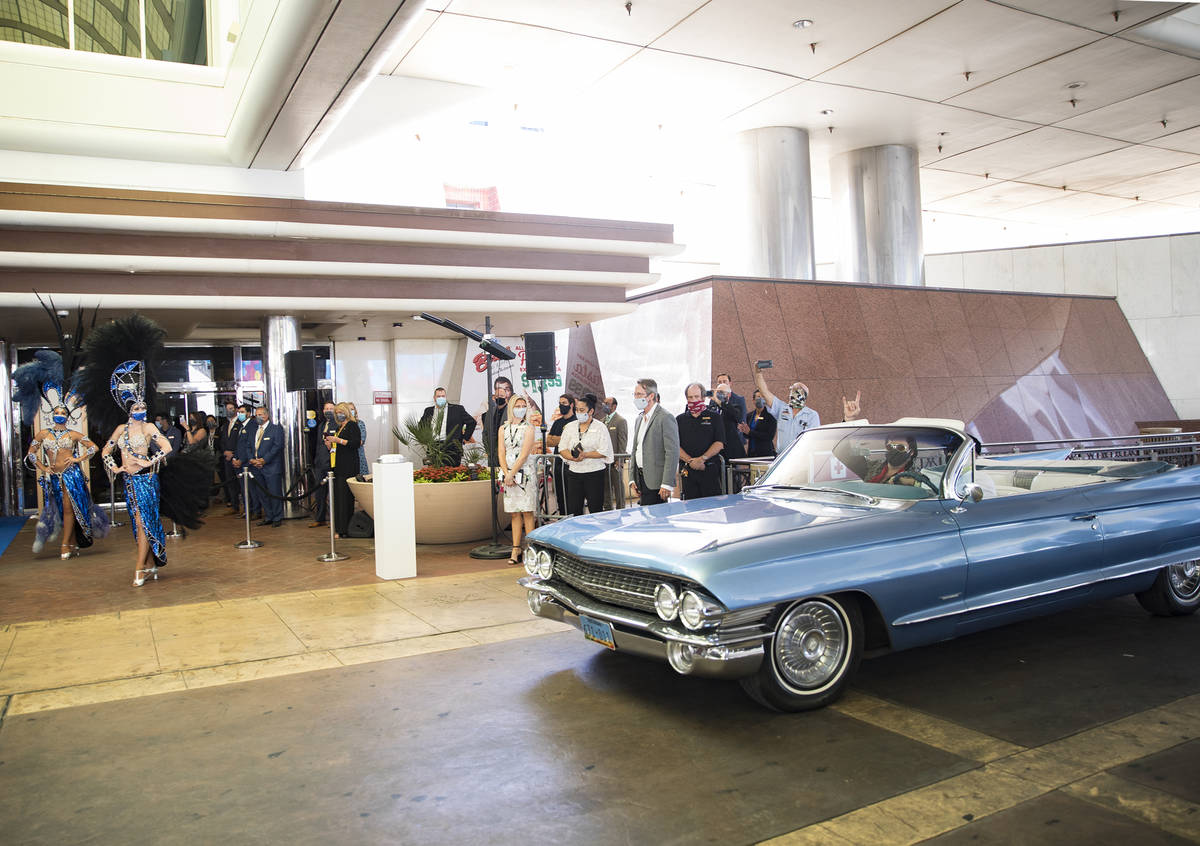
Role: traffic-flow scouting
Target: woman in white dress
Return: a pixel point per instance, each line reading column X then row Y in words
column 586, row 447
column 519, row 482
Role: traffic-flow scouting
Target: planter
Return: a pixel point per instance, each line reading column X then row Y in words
column 446, row 512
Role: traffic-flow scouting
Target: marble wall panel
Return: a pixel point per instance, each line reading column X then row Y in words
column 1039, row 269
column 944, row 271
column 1185, row 274
column 988, row 271
column 1144, row 277
column 1090, row 268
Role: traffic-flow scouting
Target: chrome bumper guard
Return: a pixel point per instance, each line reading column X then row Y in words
column 730, row 656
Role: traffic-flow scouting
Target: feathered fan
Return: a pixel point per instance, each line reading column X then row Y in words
column 31, row 379
column 108, row 345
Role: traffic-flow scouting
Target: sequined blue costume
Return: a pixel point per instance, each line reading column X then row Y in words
column 141, row 499
column 81, row 501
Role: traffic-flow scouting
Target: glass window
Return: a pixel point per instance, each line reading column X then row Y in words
column 41, row 22
column 252, row 366
column 175, row 31
column 109, row 26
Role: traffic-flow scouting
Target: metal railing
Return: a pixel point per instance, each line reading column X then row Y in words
column 549, row 467
column 1181, row 449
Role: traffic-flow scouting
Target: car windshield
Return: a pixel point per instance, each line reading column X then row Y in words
column 876, row 462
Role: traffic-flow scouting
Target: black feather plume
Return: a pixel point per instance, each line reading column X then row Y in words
column 107, row 345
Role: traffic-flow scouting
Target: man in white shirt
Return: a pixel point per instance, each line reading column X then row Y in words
column 655, row 459
column 793, row 417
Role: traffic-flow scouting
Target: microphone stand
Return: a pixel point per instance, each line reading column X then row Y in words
column 495, row 549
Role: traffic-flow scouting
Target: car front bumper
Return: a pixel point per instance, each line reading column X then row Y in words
column 714, row 654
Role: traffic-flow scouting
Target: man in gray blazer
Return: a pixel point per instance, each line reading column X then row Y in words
column 654, row 447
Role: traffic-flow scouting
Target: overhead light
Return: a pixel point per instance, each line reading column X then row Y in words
column 803, row 23
column 826, row 111
column 1071, row 86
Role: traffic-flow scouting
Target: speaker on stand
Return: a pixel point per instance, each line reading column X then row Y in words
column 539, row 356
column 300, row 370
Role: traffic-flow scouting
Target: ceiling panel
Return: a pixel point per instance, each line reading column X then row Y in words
column 668, row 88
column 1094, row 14
column 1069, row 205
column 510, row 57
column 1033, row 151
column 996, row 198
column 414, row 34
column 1147, row 219
column 1141, row 118
column 1109, row 168
column 761, row 33
column 1111, row 70
column 1160, row 186
column 939, row 184
column 1191, row 200
column 641, row 25
column 1187, row 140
column 974, row 36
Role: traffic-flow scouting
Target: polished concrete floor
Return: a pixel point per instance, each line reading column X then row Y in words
column 437, row 711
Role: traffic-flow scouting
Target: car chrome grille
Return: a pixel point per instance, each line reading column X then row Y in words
column 613, row 585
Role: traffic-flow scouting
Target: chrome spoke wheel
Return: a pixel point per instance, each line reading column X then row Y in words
column 1184, row 579
column 811, row 644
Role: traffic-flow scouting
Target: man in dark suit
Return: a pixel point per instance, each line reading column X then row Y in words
column 227, row 438
column 241, row 459
column 451, row 425
column 495, row 415
column 322, row 466
column 618, row 433
column 735, row 404
column 268, row 458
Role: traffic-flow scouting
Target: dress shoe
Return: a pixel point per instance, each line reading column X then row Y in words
column 314, row 524
column 276, row 524
column 263, row 523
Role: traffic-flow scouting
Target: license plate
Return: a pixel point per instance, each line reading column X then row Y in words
column 597, row 631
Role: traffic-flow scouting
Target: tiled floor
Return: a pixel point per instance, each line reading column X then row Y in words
column 75, row 632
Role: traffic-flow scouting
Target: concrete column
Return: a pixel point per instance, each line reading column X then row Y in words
column 770, row 221
column 281, row 335
column 877, row 203
column 10, row 473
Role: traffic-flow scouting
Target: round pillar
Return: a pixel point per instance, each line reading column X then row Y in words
column 877, row 202
column 770, row 222
column 10, row 447
column 281, row 335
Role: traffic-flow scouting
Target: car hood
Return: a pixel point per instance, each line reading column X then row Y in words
column 697, row 538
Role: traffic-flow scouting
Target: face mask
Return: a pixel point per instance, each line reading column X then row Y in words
column 241, row 417
column 897, row 457
column 760, row 403
column 329, row 416
column 60, row 418
column 796, row 399
column 639, row 403
column 722, row 396
column 564, row 409
column 519, row 413
column 440, row 402
column 603, row 410
column 696, row 406
column 341, row 418
column 138, row 415
column 231, row 413
column 162, row 425
column 262, row 421
column 584, row 416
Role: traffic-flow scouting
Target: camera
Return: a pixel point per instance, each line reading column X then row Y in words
column 764, row 364
column 708, row 393
column 576, row 450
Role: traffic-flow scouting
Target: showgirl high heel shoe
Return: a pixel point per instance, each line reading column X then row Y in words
column 139, row 576
column 68, row 552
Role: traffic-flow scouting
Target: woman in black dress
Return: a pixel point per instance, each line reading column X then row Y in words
column 759, row 430
column 343, row 447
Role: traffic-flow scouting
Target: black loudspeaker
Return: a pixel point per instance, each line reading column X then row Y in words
column 301, row 369
column 539, row 355
column 361, row 525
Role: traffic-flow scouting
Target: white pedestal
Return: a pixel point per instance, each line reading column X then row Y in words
column 395, row 523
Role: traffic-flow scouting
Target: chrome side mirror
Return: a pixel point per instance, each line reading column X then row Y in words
column 970, row 490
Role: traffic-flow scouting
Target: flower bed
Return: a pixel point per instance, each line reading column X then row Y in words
column 426, row 475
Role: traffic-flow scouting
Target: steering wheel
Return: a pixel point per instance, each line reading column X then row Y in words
column 920, row 478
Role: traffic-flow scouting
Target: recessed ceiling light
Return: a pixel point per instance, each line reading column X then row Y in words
column 826, row 111
column 803, row 23
column 1071, row 86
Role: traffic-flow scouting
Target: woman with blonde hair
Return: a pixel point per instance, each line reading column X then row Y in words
column 518, row 481
column 363, row 468
column 343, row 445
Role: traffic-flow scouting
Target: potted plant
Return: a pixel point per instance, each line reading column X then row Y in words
column 452, row 502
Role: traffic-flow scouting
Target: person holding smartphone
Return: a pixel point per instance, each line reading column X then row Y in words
column 586, row 447
column 793, row 417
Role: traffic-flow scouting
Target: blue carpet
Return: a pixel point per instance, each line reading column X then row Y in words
column 9, row 526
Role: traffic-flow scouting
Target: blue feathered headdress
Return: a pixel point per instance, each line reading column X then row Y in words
column 36, row 380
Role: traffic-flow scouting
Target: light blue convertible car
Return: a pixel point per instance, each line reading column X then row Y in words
column 863, row 538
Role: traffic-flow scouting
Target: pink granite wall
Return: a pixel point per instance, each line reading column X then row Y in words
column 1012, row 366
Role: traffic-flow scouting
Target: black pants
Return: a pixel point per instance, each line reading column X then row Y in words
column 233, row 483
column 560, row 485
column 701, row 483
column 343, row 502
column 585, row 486
column 648, row 497
column 320, row 510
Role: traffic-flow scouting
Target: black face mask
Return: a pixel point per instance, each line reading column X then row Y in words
column 501, row 401
column 564, row 409
column 329, row 416
column 897, row 457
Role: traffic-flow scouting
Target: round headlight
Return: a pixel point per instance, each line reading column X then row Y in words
column 681, row 657
column 545, row 564
column 691, row 610
column 666, row 602
column 534, row 600
column 530, row 559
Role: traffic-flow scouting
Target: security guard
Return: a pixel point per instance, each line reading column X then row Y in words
column 701, row 434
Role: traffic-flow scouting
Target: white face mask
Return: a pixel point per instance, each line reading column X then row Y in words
column 640, row 403
column 584, row 416
column 519, row 413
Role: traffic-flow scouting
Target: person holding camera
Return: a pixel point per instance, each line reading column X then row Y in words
column 792, row 418
column 586, row 447
column 517, row 481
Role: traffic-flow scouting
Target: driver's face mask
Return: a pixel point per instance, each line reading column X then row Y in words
column 897, row 454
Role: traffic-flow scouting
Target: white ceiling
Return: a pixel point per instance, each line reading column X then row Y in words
column 978, row 86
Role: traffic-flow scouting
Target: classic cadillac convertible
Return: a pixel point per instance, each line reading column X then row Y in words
column 864, row 538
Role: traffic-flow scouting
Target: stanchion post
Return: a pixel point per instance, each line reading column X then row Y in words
column 174, row 533
column 248, row 543
column 332, row 555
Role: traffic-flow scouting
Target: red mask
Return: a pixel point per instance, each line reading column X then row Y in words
column 697, row 406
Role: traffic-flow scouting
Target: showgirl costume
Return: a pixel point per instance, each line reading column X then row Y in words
column 40, row 390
